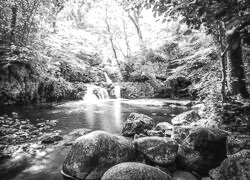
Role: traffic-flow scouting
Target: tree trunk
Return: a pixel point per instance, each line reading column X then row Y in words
column 13, row 24
column 135, row 20
column 112, row 43
column 223, row 65
column 236, row 75
column 126, row 38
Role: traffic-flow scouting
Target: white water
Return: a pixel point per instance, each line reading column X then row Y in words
column 117, row 92
column 96, row 92
column 108, row 80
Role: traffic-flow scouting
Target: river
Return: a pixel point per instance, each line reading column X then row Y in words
column 107, row 115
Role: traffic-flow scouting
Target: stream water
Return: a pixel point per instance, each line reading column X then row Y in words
column 107, row 115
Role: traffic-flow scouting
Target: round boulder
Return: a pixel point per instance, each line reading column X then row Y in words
column 93, row 154
column 136, row 124
column 135, row 171
column 202, row 150
column 159, row 150
column 236, row 166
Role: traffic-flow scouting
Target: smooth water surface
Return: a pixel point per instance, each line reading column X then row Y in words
column 107, row 115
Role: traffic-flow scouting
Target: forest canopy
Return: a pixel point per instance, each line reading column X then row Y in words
column 137, row 38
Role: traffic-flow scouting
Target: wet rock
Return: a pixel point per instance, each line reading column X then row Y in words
column 51, row 122
column 236, row 143
column 159, row 150
column 51, row 138
column 236, row 166
column 93, row 154
column 136, row 124
column 155, row 133
column 136, row 136
column 41, row 124
column 166, row 128
column 27, row 126
column 183, row 175
column 180, row 133
column 185, row 118
column 163, row 126
column 14, row 115
column 135, row 171
column 202, row 150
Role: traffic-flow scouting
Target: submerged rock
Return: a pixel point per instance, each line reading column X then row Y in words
column 159, row 150
column 135, row 171
column 202, row 150
column 93, row 154
column 51, row 138
column 136, row 136
column 136, row 124
column 186, row 118
column 236, row 166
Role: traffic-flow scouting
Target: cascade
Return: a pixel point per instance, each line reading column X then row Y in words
column 95, row 92
column 102, row 93
column 108, row 80
column 90, row 95
column 117, row 91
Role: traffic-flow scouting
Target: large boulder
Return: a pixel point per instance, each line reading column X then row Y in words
column 93, row 154
column 236, row 167
column 186, row 118
column 202, row 150
column 136, row 124
column 159, row 150
column 135, row 171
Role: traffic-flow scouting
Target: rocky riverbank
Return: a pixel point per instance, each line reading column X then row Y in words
column 186, row 148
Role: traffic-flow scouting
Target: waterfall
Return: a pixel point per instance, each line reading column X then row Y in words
column 117, row 91
column 103, row 93
column 95, row 92
column 90, row 95
column 108, row 80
